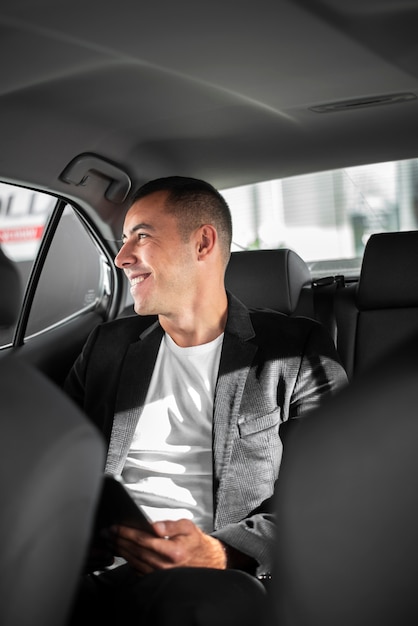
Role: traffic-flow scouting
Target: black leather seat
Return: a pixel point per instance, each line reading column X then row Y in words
column 51, row 465
column 382, row 310
column 269, row 279
column 347, row 504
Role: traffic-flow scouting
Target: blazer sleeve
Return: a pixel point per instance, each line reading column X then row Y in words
column 94, row 378
column 320, row 373
column 312, row 376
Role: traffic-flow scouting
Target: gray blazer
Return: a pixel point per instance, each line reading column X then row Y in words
column 273, row 368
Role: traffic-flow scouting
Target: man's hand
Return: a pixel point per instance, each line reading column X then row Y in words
column 175, row 544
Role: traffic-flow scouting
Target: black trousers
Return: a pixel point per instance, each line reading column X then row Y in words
column 175, row 597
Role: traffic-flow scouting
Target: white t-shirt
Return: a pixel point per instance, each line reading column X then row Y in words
column 169, row 466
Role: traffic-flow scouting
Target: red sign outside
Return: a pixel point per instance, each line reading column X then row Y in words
column 20, row 234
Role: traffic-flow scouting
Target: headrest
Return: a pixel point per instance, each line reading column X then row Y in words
column 10, row 291
column 269, row 279
column 389, row 272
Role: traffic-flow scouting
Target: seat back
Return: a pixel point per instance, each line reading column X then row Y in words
column 383, row 309
column 50, row 472
column 50, row 476
column 271, row 279
column 347, row 505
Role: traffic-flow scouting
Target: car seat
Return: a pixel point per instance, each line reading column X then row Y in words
column 347, row 506
column 269, row 279
column 50, row 476
column 382, row 310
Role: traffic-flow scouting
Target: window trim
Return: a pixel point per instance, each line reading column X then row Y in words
column 36, row 270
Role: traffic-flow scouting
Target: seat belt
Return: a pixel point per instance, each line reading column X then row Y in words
column 323, row 301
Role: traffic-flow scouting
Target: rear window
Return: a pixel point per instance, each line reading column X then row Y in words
column 326, row 217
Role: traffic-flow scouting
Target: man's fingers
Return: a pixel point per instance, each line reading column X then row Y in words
column 170, row 528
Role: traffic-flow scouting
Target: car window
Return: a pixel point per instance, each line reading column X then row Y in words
column 23, row 217
column 326, row 217
column 74, row 275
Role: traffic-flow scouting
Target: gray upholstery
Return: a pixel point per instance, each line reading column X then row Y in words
column 347, row 505
column 383, row 310
column 270, row 279
column 50, row 470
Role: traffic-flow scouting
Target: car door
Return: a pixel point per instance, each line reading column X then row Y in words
column 68, row 283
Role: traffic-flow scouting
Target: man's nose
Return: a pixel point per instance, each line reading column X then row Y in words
column 124, row 257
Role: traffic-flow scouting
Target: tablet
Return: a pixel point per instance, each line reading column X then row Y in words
column 116, row 506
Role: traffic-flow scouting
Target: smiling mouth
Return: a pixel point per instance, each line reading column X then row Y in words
column 138, row 280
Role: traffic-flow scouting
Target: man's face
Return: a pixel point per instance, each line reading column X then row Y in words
column 159, row 265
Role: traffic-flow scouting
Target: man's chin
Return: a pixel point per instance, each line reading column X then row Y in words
column 140, row 308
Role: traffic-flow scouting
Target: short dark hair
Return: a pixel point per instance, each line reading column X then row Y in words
column 194, row 202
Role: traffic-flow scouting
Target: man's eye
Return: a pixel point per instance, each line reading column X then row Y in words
column 142, row 235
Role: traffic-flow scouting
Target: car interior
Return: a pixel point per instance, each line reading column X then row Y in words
column 48, row 500
column 304, row 114
column 346, row 505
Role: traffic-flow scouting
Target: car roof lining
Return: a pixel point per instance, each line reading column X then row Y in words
column 225, row 95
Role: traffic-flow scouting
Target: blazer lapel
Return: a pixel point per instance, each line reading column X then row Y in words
column 235, row 364
column 237, row 356
column 135, row 378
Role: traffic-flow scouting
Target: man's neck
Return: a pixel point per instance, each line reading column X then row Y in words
column 195, row 329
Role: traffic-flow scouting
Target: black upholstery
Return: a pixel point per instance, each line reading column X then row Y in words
column 270, row 279
column 347, row 505
column 50, row 469
column 383, row 310
column 50, row 474
column 389, row 276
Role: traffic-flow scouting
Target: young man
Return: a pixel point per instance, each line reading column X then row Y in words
column 191, row 409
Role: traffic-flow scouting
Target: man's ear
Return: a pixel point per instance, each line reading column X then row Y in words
column 206, row 240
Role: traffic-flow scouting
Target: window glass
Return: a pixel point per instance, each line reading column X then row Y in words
column 326, row 217
column 23, row 216
column 75, row 278
column 76, row 274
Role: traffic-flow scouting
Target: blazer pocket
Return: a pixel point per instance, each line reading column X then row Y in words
column 250, row 426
